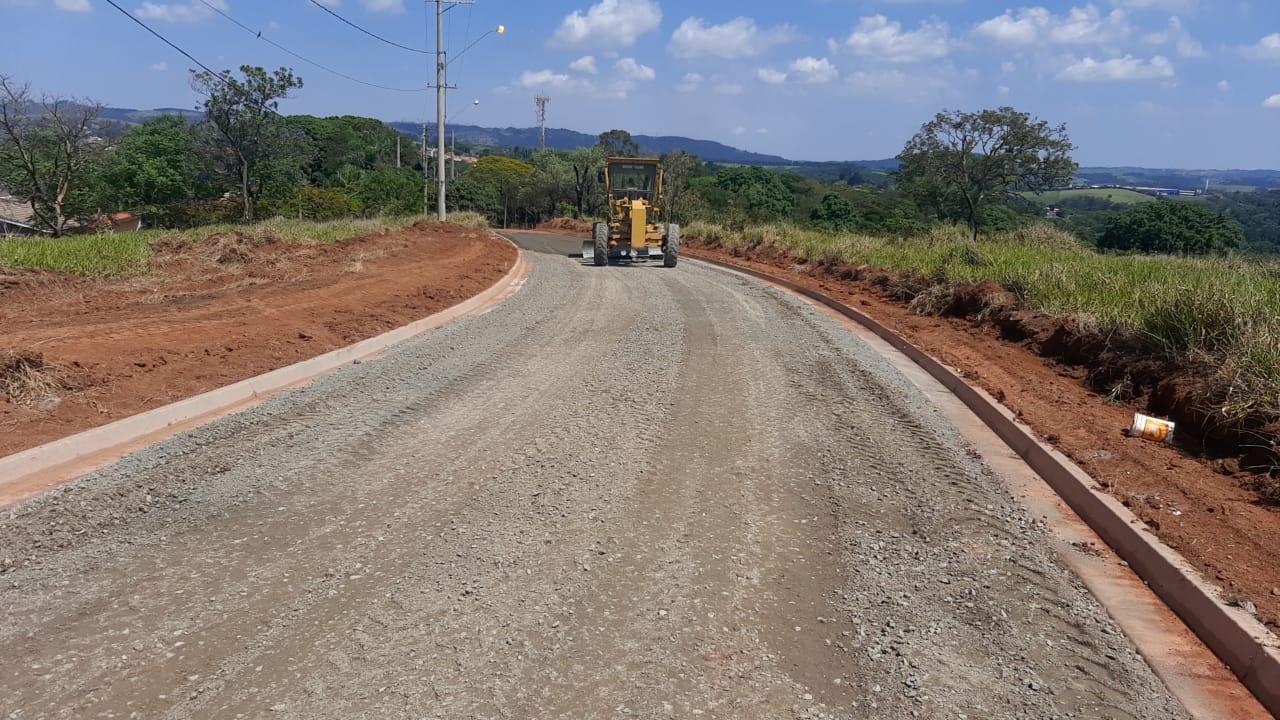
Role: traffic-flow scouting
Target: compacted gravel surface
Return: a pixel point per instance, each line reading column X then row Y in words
column 625, row 492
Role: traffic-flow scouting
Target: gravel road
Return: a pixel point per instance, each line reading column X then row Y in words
column 626, row 492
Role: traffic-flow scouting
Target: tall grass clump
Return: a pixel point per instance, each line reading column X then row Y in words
column 1224, row 311
column 469, row 219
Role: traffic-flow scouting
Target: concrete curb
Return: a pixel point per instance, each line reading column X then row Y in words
column 152, row 424
column 1240, row 641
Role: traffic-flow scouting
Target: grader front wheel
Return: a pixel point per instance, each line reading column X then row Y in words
column 671, row 251
column 600, row 233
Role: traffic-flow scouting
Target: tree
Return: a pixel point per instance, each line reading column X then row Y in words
column 153, row 165
column 678, row 168
column 1172, row 227
column 618, row 143
column 45, row 149
column 586, row 163
column 834, row 213
column 244, row 114
column 977, row 158
column 495, row 181
column 758, row 192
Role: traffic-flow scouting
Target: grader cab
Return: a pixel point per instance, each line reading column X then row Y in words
column 635, row 231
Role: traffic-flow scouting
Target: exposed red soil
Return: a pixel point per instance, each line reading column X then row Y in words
column 1196, row 505
column 215, row 312
column 571, row 226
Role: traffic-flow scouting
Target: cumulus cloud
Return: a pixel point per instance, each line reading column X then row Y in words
column 1034, row 25
column 1272, row 102
column 160, row 66
column 1224, row 86
column 584, row 64
column 545, row 79
column 390, row 7
column 79, row 6
column 728, row 88
column 608, row 24
column 814, row 71
column 1268, row 48
column 878, row 37
column 1124, row 69
column 737, row 38
column 771, row 76
column 188, row 12
column 633, row 70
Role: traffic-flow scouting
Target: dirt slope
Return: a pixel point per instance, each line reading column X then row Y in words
column 1224, row 529
column 216, row 312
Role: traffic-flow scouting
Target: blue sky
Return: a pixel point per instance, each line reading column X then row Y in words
column 1159, row 83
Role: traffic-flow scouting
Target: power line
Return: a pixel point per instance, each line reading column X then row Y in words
column 166, row 40
column 278, row 46
column 366, row 32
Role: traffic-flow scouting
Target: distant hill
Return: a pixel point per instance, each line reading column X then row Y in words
column 129, row 116
column 867, row 171
column 561, row 139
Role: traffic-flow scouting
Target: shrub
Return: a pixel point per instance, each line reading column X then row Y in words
column 318, row 204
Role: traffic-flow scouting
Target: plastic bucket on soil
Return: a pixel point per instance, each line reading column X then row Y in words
column 1153, row 429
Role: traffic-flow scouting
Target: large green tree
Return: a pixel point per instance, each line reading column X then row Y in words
column 961, row 161
column 249, row 129
column 586, row 164
column 618, row 143
column 152, row 165
column 1172, row 227
column 492, row 186
column 757, row 193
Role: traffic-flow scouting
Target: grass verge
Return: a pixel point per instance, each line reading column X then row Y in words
column 1222, row 313
column 115, row 255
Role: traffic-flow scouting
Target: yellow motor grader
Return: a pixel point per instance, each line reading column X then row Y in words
column 633, row 232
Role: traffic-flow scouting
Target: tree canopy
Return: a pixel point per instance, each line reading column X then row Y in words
column 960, row 161
column 1171, row 227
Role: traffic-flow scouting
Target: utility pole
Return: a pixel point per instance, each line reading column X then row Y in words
column 440, row 95
column 541, row 101
column 397, row 149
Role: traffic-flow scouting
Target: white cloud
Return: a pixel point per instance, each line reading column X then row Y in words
column 389, row 7
column 1008, row 67
column 1185, row 45
column 1272, row 102
column 160, row 66
column 584, row 64
column 1224, row 86
column 1125, row 69
column 1033, row 25
column 79, row 6
column 737, row 38
column 1003, row 89
column 189, row 12
column 728, row 89
column 689, row 83
column 1171, row 5
column 633, row 70
column 739, row 130
column 608, row 24
column 814, row 71
column 771, row 76
column 877, row 36
column 1268, row 48
column 544, row 79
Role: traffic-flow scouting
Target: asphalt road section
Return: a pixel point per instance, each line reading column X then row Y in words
column 625, row 492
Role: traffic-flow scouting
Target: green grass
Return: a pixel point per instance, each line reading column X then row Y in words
column 123, row 254
column 1116, row 195
column 1224, row 310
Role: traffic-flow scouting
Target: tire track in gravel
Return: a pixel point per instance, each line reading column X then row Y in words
column 625, row 492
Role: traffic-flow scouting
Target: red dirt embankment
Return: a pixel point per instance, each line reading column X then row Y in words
column 1196, row 505
column 78, row 352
